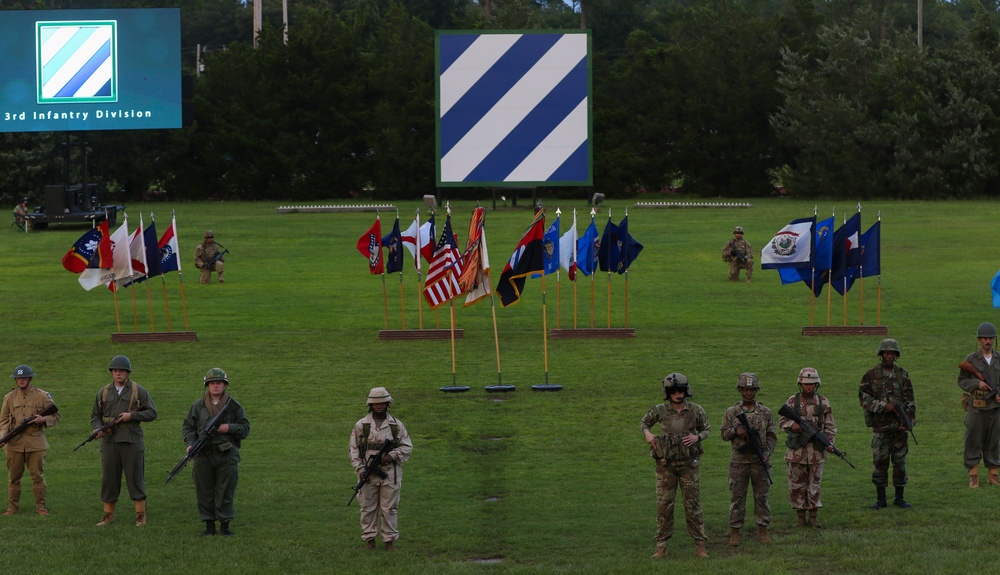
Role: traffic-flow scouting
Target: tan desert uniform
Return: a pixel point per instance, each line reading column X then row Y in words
column 28, row 448
column 204, row 252
column 805, row 460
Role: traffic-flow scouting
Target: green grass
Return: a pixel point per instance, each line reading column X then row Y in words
column 296, row 329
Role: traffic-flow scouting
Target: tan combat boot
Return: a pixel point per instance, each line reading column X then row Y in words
column 661, row 551
column 140, row 513
column 109, row 514
column 699, row 550
column 813, row 521
column 762, row 535
column 734, row 537
column 802, row 518
column 974, row 477
column 389, row 546
column 994, row 477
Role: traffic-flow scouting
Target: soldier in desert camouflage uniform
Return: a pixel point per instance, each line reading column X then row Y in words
column 738, row 253
column 804, row 458
column 744, row 467
column 885, row 390
column 677, row 447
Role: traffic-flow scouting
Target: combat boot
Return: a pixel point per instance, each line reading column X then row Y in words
column 661, row 551
column 109, row 514
column 224, row 529
column 699, row 550
column 370, row 544
column 734, row 537
column 389, row 546
column 140, row 513
column 899, row 501
column 994, row 477
column 802, row 518
column 209, row 528
column 762, row 535
column 974, row 477
column 813, row 521
column 879, row 498
column 40, row 493
column 13, row 499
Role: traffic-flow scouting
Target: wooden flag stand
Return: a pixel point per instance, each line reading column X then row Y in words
column 147, row 337
column 846, row 330
column 396, row 334
column 593, row 333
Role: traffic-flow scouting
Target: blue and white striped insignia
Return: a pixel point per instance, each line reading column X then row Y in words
column 514, row 109
column 76, row 61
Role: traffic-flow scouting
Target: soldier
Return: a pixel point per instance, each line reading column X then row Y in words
column 216, row 468
column 379, row 497
column 886, row 392
column 979, row 377
column 21, row 214
column 203, row 254
column 683, row 426
column 738, row 253
column 122, row 447
column 26, row 449
column 804, row 458
column 744, row 466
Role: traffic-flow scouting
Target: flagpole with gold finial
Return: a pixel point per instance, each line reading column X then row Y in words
column 558, row 283
column 593, row 279
column 118, row 320
column 575, row 267
column 149, row 294
column 163, row 281
column 609, row 271
column 625, row 244
column 385, row 295
column 451, row 314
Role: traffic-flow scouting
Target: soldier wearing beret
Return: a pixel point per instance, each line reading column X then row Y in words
column 26, row 449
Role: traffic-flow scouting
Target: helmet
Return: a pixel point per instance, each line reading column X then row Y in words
column 888, row 345
column 808, row 375
column 209, row 234
column 986, row 329
column 676, row 381
column 748, row 380
column 22, row 371
column 120, row 362
column 379, row 395
column 216, row 374
column 738, row 230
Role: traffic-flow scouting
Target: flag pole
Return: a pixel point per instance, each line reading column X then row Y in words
column 454, row 373
column 545, row 333
column 593, row 280
column 402, row 298
column 829, row 296
column 812, row 282
column 496, row 337
column 149, row 295
column 574, row 262
column 420, row 290
column 626, row 281
column 135, row 309
column 180, row 275
column 163, row 280
column 609, row 274
column 878, row 315
column 861, row 277
column 558, row 282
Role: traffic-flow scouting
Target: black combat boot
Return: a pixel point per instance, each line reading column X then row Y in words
column 880, row 500
column 900, row 502
column 209, row 529
column 224, row 529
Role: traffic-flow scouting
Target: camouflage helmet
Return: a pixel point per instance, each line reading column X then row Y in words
column 379, row 395
column 216, row 374
column 209, row 234
column 888, row 345
column 808, row 375
column 22, row 371
column 738, row 230
column 986, row 329
column 120, row 362
column 748, row 380
column 676, row 381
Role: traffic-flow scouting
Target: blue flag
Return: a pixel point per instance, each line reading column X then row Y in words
column 871, row 251
column 995, row 286
column 394, row 243
column 608, row 251
column 846, row 254
column 628, row 248
column 550, row 259
column 151, row 241
column 586, row 250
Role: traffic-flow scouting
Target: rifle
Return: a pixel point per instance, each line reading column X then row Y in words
column 218, row 256
column 105, row 427
column 818, row 438
column 50, row 410
column 207, row 433
column 753, row 443
column 966, row 366
column 904, row 419
column 740, row 256
column 373, row 467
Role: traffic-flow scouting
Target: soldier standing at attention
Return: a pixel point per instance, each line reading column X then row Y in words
column 203, row 254
column 26, row 449
column 379, row 497
column 804, row 458
column 885, row 392
column 122, row 447
column 677, row 447
column 216, row 468
column 982, row 419
column 744, row 467
column 738, row 253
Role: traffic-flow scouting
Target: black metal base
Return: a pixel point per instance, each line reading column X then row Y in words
column 500, row 388
column 547, row 387
column 455, row 388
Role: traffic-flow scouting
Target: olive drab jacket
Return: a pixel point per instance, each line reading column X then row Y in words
column 970, row 383
column 108, row 405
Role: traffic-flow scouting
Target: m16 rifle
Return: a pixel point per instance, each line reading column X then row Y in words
column 740, row 256
column 207, row 433
column 755, row 445
column 23, row 426
column 904, row 419
column 210, row 264
column 373, row 467
column 107, row 426
column 813, row 434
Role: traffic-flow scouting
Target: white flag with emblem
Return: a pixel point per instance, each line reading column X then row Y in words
column 791, row 247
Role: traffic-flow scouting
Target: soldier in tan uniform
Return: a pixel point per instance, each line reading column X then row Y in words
column 26, row 449
column 379, row 497
column 681, row 428
column 738, row 253
column 204, row 253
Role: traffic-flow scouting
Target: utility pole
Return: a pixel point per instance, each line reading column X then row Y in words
column 258, row 16
column 920, row 24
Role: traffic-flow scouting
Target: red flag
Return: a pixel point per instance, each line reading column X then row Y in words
column 79, row 256
column 445, row 269
column 370, row 246
column 528, row 258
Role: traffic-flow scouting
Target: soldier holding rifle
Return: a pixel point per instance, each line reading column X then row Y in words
column 26, row 404
column 978, row 377
column 208, row 257
column 738, row 253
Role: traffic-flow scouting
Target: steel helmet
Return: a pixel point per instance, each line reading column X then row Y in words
column 808, row 375
column 748, row 380
column 379, row 395
column 216, row 374
column 888, row 345
column 22, row 371
column 676, row 381
column 120, row 362
column 986, row 329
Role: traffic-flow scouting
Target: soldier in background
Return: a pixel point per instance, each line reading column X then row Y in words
column 804, row 458
column 677, row 448
column 21, row 213
column 203, row 254
column 982, row 418
column 738, row 253
column 26, row 449
column 885, row 392
column 744, row 467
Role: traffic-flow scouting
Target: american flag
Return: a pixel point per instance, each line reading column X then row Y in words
column 442, row 277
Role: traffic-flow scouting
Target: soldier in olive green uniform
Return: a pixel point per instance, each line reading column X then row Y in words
column 982, row 418
column 738, row 253
column 26, row 449
column 744, row 466
column 216, row 468
column 885, row 392
column 204, row 253
column 677, row 447
column 122, row 447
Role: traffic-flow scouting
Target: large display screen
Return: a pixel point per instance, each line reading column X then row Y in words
column 73, row 70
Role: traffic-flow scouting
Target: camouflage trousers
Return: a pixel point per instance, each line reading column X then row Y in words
column 735, row 267
column 668, row 477
column 741, row 476
column 206, row 273
column 982, row 437
column 889, row 446
column 803, row 484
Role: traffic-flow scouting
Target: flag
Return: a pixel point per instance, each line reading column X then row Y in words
column 527, row 259
column 422, row 241
column 153, row 267
column 370, row 246
column 550, row 243
column 170, row 253
column 791, row 247
column 78, row 257
column 445, row 269
column 121, row 256
column 394, row 243
column 628, row 248
column 871, row 251
column 568, row 250
column 117, row 265
column 608, row 250
column 137, row 255
column 587, row 248
column 475, row 277
column 846, row 254
column 823, row 250
column 995, row 287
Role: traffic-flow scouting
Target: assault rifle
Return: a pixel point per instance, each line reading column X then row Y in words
column 966, row 366
column 23, row 426
column 373, row 467
column 904, row 419
column 818, row 438
column 207, row 433
column 210, row 264
column 739, row 255
column 105, row 427
column 754, row 444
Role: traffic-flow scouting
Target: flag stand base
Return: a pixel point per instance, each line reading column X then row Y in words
column 141, row 337
column 846, row 330
column 593, row 333
column 455, row 388
column 500, row 388
column 419, row 334
column 547, row 387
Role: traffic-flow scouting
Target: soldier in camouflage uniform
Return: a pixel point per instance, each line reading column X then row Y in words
column 804, row 458
column 982, row 418
column 738, row 253
column 744, row 467
column 677, row 447
column 204, row 253
column 885, row 392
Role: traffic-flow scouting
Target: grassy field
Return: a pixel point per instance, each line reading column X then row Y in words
column 527, row 482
